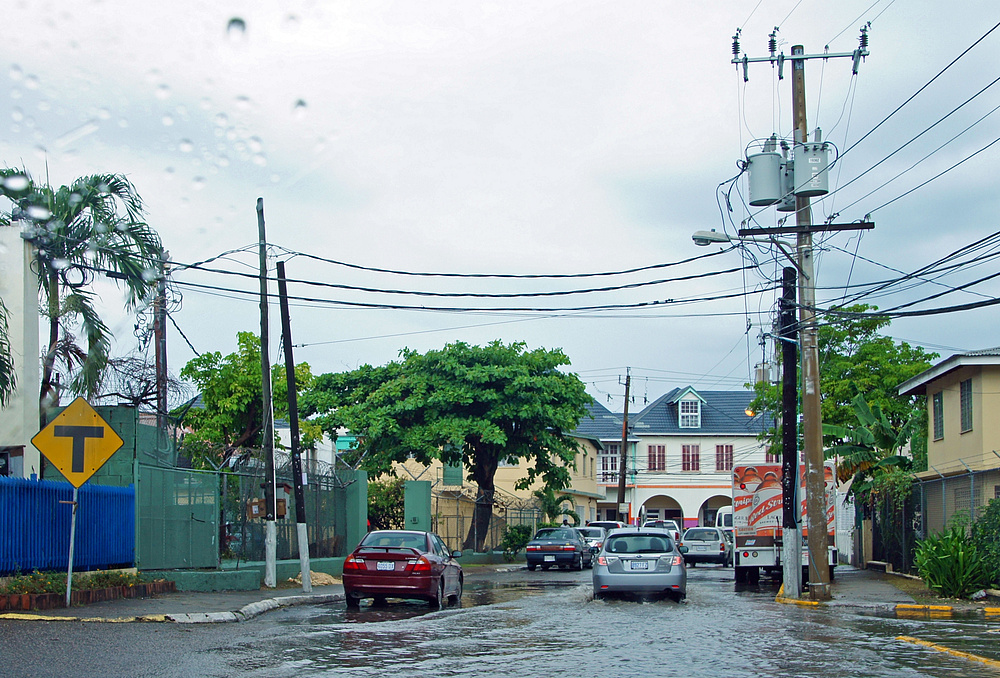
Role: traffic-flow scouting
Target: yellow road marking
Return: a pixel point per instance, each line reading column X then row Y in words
column 948, row 650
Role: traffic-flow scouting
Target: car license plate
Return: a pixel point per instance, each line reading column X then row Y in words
column 550, row 559
column 385, row 565
column 702, row 548
column 640, row 564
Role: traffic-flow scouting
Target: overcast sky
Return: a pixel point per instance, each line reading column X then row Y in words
column 544, row 138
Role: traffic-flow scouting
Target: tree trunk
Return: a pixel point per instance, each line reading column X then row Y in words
column 485, row 470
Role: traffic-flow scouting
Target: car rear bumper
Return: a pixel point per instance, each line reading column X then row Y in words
column 559, row 557
column 634, row 582
column 368, row 586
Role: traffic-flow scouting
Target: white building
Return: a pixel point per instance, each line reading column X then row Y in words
column 681, row 453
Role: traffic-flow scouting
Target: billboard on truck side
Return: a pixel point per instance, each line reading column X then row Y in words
column 757, row 499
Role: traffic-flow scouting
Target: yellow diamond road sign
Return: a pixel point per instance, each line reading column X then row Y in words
column 78, row 442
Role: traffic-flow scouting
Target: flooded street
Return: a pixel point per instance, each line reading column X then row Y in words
column 547, row 624
column 521, row 623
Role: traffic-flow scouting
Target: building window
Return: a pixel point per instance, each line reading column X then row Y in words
column 772, row 457
column 965, row 404
column 690, row 414
column 609, row 465
column 657, row 458
column 723, row 457
column 690, row 458
column 937, row 407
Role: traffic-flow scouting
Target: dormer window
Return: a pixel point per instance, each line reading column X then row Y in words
column 690, row 413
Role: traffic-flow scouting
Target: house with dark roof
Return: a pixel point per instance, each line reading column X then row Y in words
column 680, row 453
column 963, row 435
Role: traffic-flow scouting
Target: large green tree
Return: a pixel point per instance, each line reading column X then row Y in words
column 855, row 357
column 92, row 227
column 230, row 415
column 469, row 404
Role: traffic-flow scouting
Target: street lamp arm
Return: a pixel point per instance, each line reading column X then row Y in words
column 705, row 238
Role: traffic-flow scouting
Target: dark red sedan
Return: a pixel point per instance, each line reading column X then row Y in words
column 402, row 564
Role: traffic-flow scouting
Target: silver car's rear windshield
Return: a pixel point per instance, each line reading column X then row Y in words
column 702, row 535
column 639, row 543
column 591, row 531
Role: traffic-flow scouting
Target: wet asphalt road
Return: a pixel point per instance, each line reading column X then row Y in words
column 517, row 624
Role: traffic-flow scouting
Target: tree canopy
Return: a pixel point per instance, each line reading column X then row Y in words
column 469, row 404
column 231, row 412
column 92, row 227
column 855, row 357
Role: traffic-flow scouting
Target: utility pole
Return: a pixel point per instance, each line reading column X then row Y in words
column 812, row 415
column 623, row 457
column 298, row 478
column 160, row 336
column 812, row 423
column 791, row 550
column 270, row 528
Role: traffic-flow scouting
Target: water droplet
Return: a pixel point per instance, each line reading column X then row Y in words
column 243, row 102
column 186, row 146
column 31, row 82
column 256, row 144
column 16, row 114
column 16, row 73
column 150, row 274
column 123, row 123
column 163, row 92
column 299, row 109
column 104, row 114
column 260, row 160
column 16, row 182
column 236, row 29
column 222, row 161
column 44, row 105
column 168, row 121
column 198, row 183
column 60, row 264
column 221, row 120
column 38, row 213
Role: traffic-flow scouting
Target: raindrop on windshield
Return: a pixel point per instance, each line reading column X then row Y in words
column 186, row 146
column 236, row 29
column 16, row 182
column 38, row 212
column 60, row 264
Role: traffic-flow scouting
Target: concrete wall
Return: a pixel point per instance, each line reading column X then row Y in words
column 19, row 291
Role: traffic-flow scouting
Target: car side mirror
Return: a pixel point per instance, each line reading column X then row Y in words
column 456, row 554
column 682, row 548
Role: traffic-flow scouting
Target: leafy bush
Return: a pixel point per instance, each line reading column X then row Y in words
column 949, row 564
column 55, row 582
column 515, row 538
column 985, row 536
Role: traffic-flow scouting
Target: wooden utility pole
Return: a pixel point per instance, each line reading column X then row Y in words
column 623, row 457
column 812, row 414
column 298, row 479
column 271, row 529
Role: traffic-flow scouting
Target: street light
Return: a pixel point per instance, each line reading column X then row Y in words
column 705, row 238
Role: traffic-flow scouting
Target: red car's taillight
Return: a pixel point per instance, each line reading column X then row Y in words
column 567, row 547
column 532, row 547
column 353, row 564
column 421, row 565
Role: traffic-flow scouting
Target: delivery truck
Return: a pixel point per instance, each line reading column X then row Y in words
column 757, row 514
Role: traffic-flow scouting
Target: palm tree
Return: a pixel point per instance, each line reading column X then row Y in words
column 551, row 504
column 7, row 376
column 93, row 226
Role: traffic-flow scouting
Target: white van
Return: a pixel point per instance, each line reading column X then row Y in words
column 724, row 519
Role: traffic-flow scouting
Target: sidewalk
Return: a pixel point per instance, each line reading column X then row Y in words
column 851, row 588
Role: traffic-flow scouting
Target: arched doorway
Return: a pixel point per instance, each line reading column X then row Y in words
column 706, row 514
column 662, row 507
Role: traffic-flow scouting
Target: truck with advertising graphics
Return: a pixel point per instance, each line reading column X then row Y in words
column 757, row 513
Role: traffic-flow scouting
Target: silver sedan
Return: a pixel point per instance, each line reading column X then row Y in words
column 640, row 561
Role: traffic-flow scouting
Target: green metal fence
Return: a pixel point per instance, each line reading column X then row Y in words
column 178, row 525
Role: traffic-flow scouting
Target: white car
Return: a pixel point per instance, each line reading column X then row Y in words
column 668, row 525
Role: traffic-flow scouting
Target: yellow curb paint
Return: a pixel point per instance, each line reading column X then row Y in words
column 21, row 616
column 34, row 617
column 992, row 610
column 925, row 608
column 948, row 650
column 795, row 601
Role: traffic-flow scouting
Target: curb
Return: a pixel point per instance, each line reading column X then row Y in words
column 245, row 613
column 948, row 650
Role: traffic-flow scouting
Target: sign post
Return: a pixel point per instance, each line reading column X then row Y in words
column 78, row 442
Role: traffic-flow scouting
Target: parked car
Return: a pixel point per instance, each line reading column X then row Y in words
column 642, row 561
column 559, row 546
column 403, row 564
column 670, row 525
column 594, row 536
column 606, row 524
column 724, row 520
column 708, row 545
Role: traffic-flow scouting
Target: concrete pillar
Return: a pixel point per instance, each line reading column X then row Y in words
column 19, row 291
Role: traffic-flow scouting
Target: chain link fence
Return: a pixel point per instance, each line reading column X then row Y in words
column 453, row 511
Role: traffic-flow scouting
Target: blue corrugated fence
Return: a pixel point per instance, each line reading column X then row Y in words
column 34, row 526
